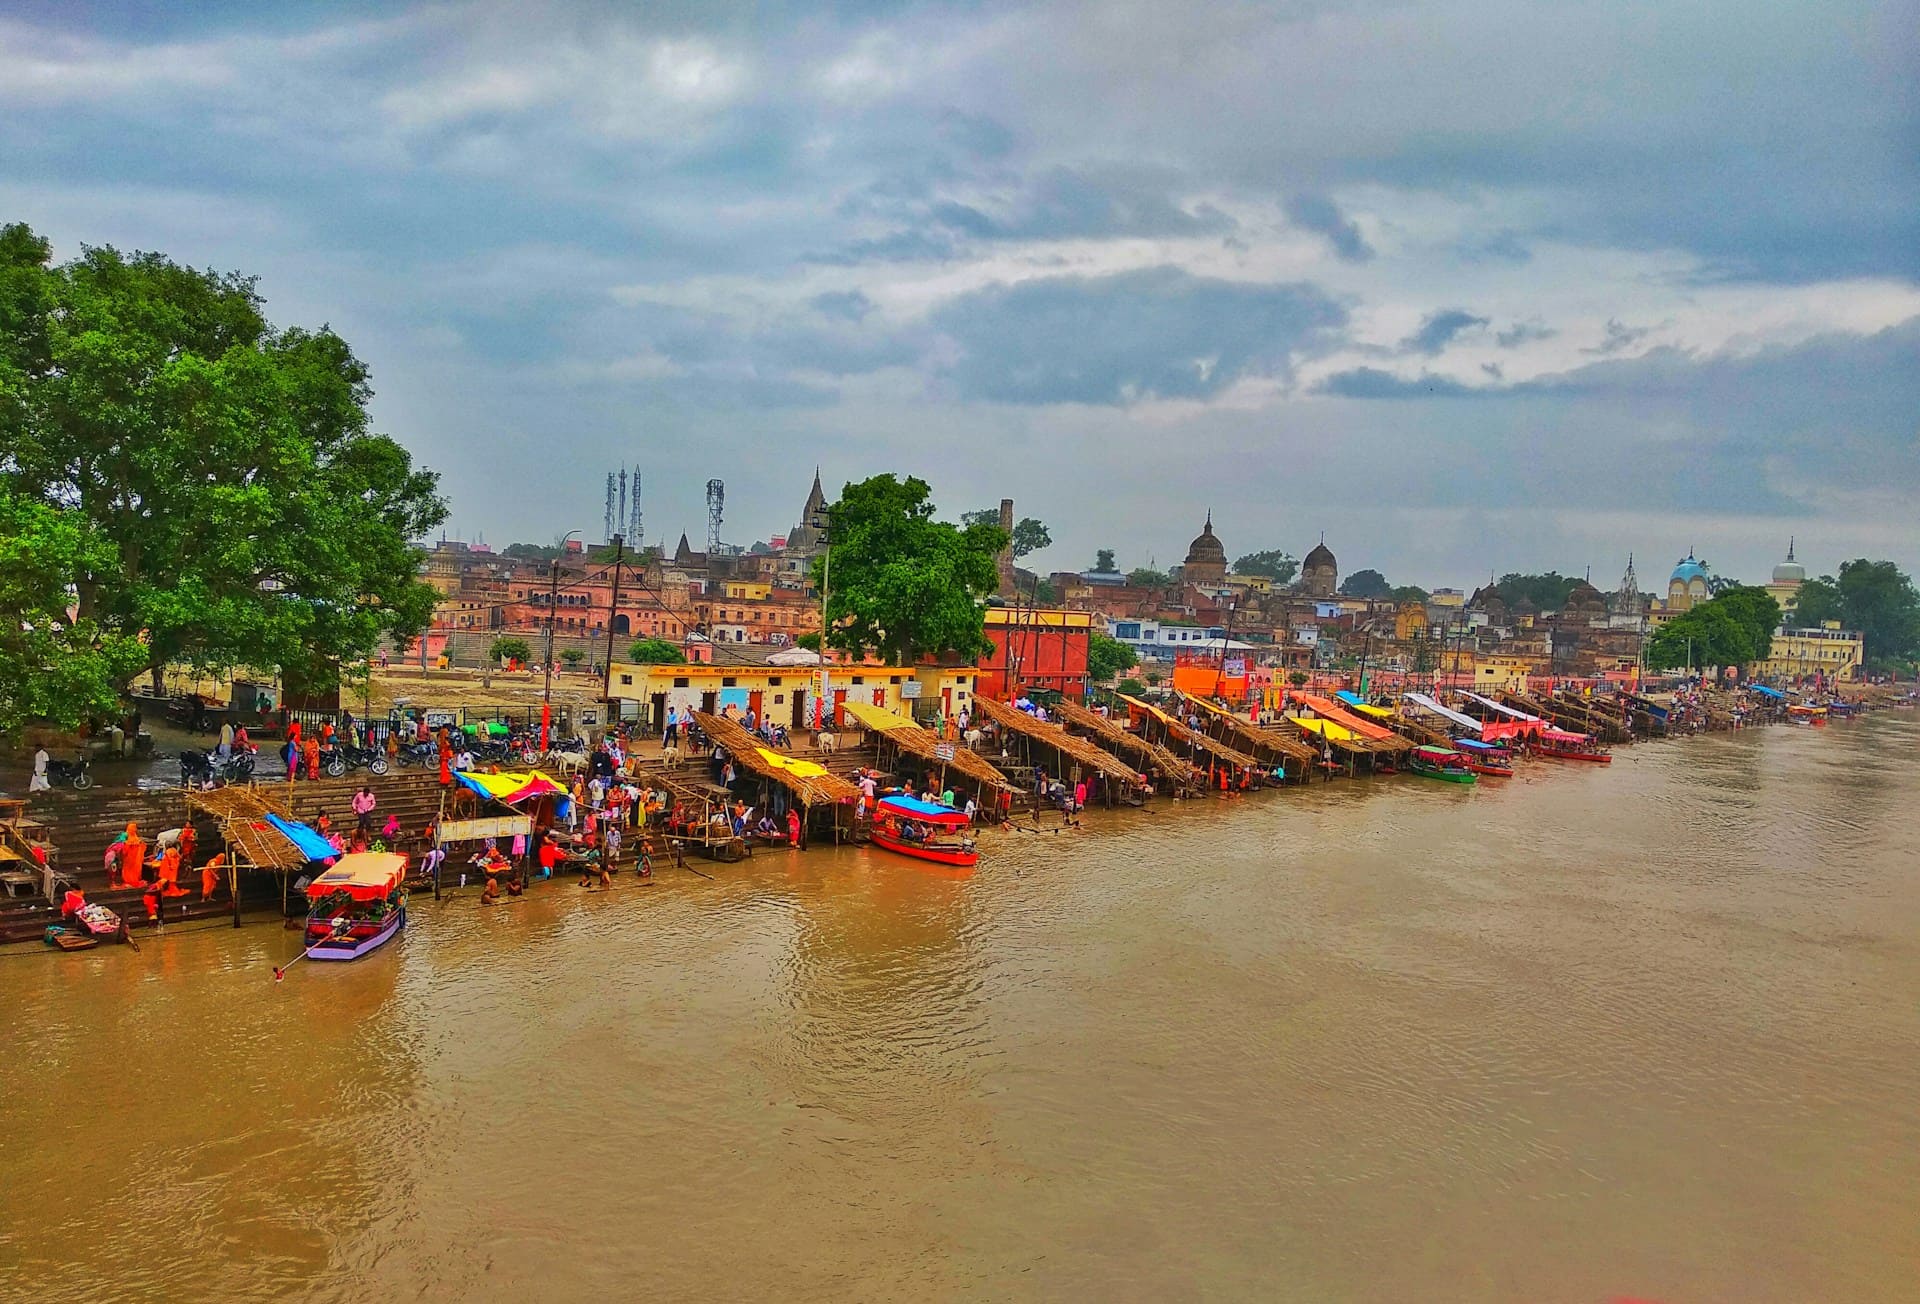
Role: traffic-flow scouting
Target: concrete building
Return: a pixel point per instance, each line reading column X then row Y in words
column 1828, row 651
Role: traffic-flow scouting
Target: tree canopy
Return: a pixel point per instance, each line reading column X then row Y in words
column 1280, row 567
column 1103, row 560
column 529, row 552
column 510, row 649
column 54, row 666
column 1141, row 577
column 1409, row 593
column 904, row 583
column 1547, row 592
column 655, row 652
column 1107, row 657
column 1733, row 629
column 1874, row 597
column 1366, row 584
column 225, row 467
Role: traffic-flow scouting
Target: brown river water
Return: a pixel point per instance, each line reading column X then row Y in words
column 1651, row 1030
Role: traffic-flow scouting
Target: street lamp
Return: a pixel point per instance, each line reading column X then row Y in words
column 553, row 599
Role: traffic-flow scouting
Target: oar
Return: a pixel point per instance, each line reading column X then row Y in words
column 338, row 923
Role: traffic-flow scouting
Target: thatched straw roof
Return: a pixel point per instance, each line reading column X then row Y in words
column 752, row 753
column 1176, row 768
column 915, row 741
column 1052, row 735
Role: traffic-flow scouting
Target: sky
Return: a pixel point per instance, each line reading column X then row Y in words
column 1467, row 286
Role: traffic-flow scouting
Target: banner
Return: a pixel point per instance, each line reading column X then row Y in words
column 497, row 826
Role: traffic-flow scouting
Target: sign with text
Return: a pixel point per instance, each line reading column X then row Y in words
column 943, row 752
column 497, row 826
column 910, row 689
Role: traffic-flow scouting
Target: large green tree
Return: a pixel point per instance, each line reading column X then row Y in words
column 54, row 666
column 1366, row 584
column 902, row 583
column 1107, row 657
column 656, row 652
column 1277, row 566
column 251, row 515
column 1547, row 592
column 1734, row 629
column 1874, row 597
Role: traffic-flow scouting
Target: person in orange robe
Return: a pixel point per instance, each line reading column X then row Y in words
column 169, row 876
column 187, row 838
column 210, row 876
column 133, row 858
column 311, row 750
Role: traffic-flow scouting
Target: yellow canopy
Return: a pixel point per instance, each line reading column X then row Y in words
column 875, row 717
column 1377, row 712
column 1325, row 728
column 793, row 765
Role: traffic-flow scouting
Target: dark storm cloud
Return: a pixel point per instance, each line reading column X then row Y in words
column 1524, row 332
column 1438, row 329
column 1159, row 332
column 1371, row 382
column 1319, row 214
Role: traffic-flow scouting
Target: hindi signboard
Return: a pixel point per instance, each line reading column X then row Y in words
column 496, row 826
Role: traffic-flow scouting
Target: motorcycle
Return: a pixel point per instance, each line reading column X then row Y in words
column 333, row 763
column 203, row 769
column 78, row 772
column 372, row 758
column 418, row 754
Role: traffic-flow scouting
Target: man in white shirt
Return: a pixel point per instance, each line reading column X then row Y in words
column 40, row 783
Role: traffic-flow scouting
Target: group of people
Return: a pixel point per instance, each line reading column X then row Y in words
column 130, row 857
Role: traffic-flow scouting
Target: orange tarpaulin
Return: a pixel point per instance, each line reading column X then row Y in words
column 1327, row 709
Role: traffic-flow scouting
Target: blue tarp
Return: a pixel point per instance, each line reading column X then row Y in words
column 1774, row 693
column 307, row 842
column 1352, row 699
column 919, row 807
column 1477, row 745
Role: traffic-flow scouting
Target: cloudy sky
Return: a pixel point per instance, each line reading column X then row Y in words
column 1468, row 285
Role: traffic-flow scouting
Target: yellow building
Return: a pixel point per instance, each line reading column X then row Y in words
column 748, row 590
column 784, row 694
column 944, row 691
column 1800, row 653
column 1494, row 674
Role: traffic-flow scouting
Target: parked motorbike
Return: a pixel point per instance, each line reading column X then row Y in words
column 200, row 769
column 418, row 754
column 78, row 772
column 374, row 759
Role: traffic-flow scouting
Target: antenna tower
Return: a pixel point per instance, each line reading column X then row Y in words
column 634, row 536
column 716, row 502
column 621, row 514
column 610, row 521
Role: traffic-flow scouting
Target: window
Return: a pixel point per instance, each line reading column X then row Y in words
column 774, row 683
column 729, row 682
column 778, row 698
column 859, row 679
column 626, row 679
column 681, row 682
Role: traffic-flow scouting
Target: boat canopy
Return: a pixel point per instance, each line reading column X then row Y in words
column 305, row 840
column 927, row 812
column 364, row 876
column 1426, row 703
column 1563, row 736
column 1764, row 691
column 1501, row 707
column 1475, row 744
column 1432, row 753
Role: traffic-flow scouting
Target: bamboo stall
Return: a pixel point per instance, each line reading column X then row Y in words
column 1179, row 771
column 1066, row 748
column 811, row 785
column 909, row 739
column 1281, row 743
column 1218, row 754
column 252, row 842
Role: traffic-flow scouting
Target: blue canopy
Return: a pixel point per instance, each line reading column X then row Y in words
column 1352, row 699
column 918, row 807
column 307, row 842
column 1476, row 745
column 1774, row 693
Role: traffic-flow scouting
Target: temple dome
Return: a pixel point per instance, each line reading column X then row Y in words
column 1789, row 571
column 1206, row 548
column 1320, row 556
column 1690, row 568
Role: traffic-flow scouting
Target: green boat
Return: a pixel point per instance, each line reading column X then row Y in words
column 1441, row 763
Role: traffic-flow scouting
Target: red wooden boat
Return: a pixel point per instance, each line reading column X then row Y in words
column 1485, row 758
column 924, row 830
column 1565, row 746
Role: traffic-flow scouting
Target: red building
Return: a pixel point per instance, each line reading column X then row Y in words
column 1045, row 649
